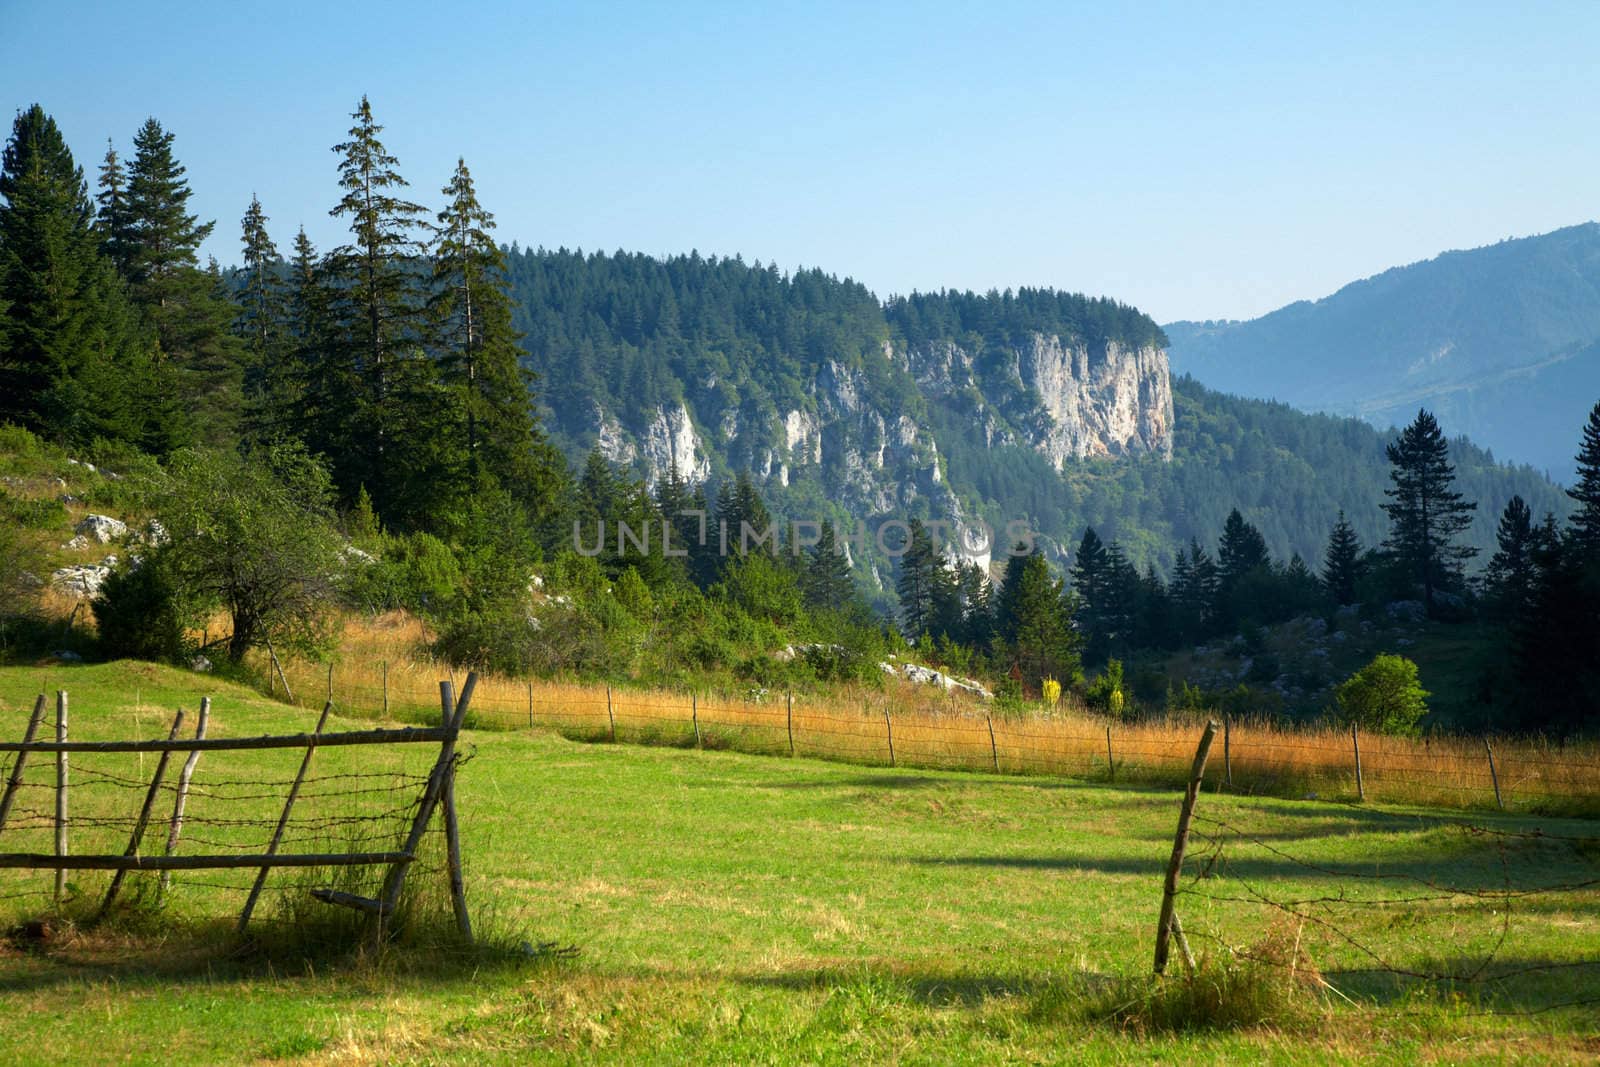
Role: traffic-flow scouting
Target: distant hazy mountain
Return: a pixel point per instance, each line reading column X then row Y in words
column 1502, row 343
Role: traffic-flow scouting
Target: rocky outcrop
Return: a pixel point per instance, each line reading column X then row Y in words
column 670, row 440
column 1111, row 402
column 100, row 529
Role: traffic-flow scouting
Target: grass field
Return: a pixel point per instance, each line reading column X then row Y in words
column 738, row 908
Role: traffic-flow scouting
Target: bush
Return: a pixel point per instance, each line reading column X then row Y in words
column 418, row 573
column 136, row 612
column 1106, row 694
column 1385, row 696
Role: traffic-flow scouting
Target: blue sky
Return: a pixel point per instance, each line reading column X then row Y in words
column 1198, row 161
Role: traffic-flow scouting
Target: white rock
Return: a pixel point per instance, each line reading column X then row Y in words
column 102, row 529
column 83, row 579
column 201, row 664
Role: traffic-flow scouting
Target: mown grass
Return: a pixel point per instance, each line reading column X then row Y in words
column 738, row 908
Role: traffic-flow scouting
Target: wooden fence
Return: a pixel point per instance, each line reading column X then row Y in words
column 437, row 794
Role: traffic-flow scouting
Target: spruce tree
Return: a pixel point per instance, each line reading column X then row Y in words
column 826, row 582
column 1341, row 565
column 319, row 388
column 391, row 429
column 1240, row 550
column 471, row 314
column 918, row 580
column 185, row 304
column 261, row 319
column 1033, row 629
column 1509, row 579
column 73, row 362
column 1425, row 513
column 1586, row 491
column 111, row 218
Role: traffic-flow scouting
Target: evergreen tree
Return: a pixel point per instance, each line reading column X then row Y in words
column 390, row 434
column 1509, row 579
column 1586, row 491
column 1425, row 513
column 1240, row 550
column 111, row 218
column 918, row 581
column 1033, row 627
column 1341, row 566
column 1556, row 641
column 318, row 388
column 471, row 312
column 977, row 607
column 72, row 353
column 743, row 522
column 260, row 322
column 826, row 583
column 1091, row 580
column 185, row 305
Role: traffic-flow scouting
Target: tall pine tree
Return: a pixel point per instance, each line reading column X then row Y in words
column 1425, row 512
column 1586, row 490
column 72, row 354
column 261, row 320
column 390, row 434
column 1341, row 564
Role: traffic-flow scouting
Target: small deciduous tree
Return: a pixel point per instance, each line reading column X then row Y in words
column 1385, row 696
column 252, row 536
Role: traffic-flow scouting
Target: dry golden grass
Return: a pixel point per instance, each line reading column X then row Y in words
column 927, row 728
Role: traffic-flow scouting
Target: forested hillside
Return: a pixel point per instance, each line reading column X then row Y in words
column 616, row 338
column 1499, row 342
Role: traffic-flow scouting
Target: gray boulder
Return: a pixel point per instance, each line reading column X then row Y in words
column 101, row 529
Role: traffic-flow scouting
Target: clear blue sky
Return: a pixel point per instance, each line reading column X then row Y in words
column 1199, row 161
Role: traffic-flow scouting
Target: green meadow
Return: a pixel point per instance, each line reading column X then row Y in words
column 642, row 905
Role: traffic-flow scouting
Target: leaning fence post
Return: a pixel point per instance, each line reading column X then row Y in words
column 530, row 705
column 889, row 730
column 385, row 689
column 283, row 819
column 1494, row 776
column 1180, row 841
column 611, row 716
column 184, row 775
column 1355, row 742
column 287, row 692
column 791, row 723
column 61, row 792
column 694, row 714
column 137, row 837
column 994, row 749
column 1111, row 763
column 14, row 782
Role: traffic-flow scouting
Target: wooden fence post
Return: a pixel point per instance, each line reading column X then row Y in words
column 1111, row 763
column 452, row 833
column 287, row 692
column 694, row 713
column 791, row 723
column 1494, row 776
column 994, row 749
column 184, row 775
column 889, row 730
column 283, row 818
column 1227, row 752
column 611, row 716
column 139, row 826
column 330, row 682
column 530, row 705
column 394, row 881
column 1355, row 742
column 1167, row 924
column 61, row 792
column 14, row 782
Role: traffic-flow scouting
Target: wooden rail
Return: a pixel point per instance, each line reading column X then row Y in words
column 409, row 734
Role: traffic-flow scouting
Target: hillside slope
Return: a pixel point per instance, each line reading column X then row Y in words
column 1500, row 342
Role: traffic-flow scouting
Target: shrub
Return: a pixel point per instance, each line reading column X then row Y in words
column 137, row 614
column 1105, row 694
column 418, row 573
column 1385, row 696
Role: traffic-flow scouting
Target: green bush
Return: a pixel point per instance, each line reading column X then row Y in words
column 1106, row 693
column 137, row 614
column 1385, row 696
column 418, row 573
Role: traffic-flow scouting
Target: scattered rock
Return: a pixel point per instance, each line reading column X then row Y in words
column 78, row 542
column 83, row 579
column 1407, row 610
column 31, row 580
column 352, row 554
column 153, row 534
column 886, row 668
column 102, row 529
column 66, row 655
column 201, row 664
column 1316, row 627
column 928, row 676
